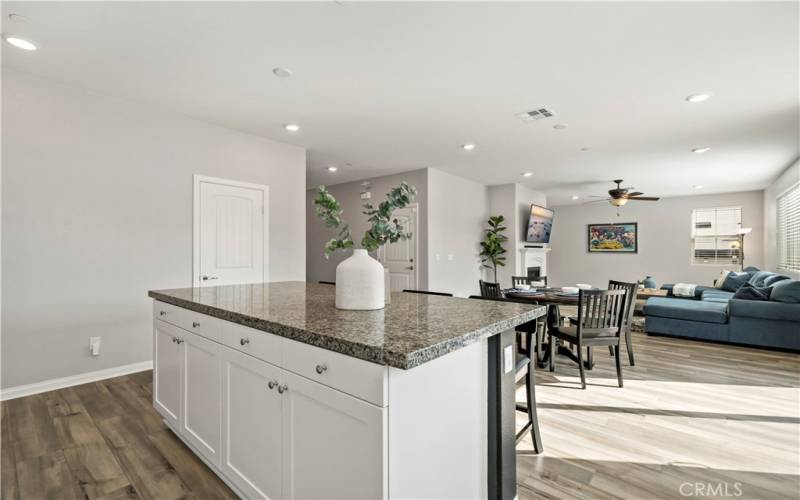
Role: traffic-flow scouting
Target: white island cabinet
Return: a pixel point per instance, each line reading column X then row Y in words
column 278, row 418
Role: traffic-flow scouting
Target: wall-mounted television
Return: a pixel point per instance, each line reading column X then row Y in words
column 540, row 224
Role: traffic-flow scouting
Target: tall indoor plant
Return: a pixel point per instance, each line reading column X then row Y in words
column 492, row 245
column 360, row 280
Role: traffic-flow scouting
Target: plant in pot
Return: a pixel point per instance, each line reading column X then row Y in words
column 492, row 245
column 360, row 279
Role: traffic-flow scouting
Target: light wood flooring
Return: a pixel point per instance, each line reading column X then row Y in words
column 691, row 415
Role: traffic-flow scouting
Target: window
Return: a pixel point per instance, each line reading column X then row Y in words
column 715, row 237
column 788, row 229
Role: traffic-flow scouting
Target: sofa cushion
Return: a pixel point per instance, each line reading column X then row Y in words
column 787, row 291
column 716, row 295
column 765, row 310
column 750, row 292
column 734, row 281
column 704, row 311
column 758, row 278
column 771, row 280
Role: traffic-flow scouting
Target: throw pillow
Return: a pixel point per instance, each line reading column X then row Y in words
column 758, row 278
column 774, row 279
column 787, row 291
column 734, row 281
column 751, row 270
column 750, row 292
column 719, row 281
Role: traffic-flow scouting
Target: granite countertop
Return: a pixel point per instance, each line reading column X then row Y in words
column 412, row 330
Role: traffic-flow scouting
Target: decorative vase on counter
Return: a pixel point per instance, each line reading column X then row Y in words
column 649, row 282
column 360, row 283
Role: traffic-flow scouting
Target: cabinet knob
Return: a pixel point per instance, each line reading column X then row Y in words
column 244, row 341
column 283, row 388
column 162, row 313
column 272, row 383
column 174, row 339
column 179, row 340
column 195, row 324
column 321, row 368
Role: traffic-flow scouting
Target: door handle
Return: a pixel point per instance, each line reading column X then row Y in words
column 410, row 268
column 206, row 278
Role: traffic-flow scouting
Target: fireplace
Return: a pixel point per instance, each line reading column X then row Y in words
column 534, row 272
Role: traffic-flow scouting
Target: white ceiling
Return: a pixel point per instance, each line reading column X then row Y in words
column 390, row 87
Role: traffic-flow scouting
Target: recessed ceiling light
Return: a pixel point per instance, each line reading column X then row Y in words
column 575, row 196
column 701, row 150
column 698, row 97
column 18, row 18
column 527, row 174
column 467, row 147
column 281, row 72
column 560, row 126
column 20, row 43
column 332, row 168
column 292, row 127
column 698, row 186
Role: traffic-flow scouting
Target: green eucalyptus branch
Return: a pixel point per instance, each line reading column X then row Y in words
column 330, row 211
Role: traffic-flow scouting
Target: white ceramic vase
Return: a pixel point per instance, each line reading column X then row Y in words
column 360, row 283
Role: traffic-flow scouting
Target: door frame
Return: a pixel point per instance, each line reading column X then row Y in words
column 197, row 180
column 415, row 236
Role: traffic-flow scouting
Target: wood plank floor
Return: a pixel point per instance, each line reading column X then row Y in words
column 691, row 415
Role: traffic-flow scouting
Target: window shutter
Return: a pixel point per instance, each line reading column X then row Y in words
column 788, row 229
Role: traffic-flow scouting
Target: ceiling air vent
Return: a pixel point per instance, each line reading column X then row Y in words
column 537, row 114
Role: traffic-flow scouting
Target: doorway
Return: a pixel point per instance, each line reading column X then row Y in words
column 401, row 257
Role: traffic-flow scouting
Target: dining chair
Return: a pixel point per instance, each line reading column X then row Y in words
column 490, row 290
column 524, row 280
column 525, row 362
column 599, row 323
column 443, row 294
column 630, row 306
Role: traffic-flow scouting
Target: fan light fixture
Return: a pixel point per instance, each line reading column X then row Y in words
column 618, row 202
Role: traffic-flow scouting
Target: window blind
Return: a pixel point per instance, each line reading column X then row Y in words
column 788, row 229
column 715, row 238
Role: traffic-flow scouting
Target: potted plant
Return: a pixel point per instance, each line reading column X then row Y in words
column 360, row 279
column 492, row 245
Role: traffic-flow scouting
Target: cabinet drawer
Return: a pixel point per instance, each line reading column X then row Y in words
column 257, row 343
column 353, row 376
column 201, row 324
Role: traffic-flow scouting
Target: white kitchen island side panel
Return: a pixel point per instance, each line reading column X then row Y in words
column 437, row 427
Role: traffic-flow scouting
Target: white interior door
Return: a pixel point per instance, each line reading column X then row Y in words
column 230, row 240
column 401, row 257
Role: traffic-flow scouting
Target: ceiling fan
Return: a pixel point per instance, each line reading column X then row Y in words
column 619, row 196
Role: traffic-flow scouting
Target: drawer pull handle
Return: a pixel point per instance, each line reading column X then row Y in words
column 179, row 340
column 244, row 341
column 321, row 368
column 272, row 383
column 195, row 324
column 283, row 388
column 162, row 313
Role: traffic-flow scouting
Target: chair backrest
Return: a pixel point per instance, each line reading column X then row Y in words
column 524, row 280
column 630, row 300
column 601, row 312
column 429, row 293
column 490, row 290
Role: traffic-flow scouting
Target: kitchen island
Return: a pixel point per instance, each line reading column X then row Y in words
column 285, row 396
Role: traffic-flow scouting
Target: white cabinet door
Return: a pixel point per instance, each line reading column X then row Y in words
column 202, row 400
column 333, row 445
column 167, row 372
column 251, row 425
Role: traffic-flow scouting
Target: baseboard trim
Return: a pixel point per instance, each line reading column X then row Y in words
column 84, row 378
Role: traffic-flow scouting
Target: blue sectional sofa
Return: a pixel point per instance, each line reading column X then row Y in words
column 715, row 314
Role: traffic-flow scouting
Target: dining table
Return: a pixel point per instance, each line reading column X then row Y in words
column 553, row 298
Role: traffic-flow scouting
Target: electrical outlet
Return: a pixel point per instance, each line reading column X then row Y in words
column 94, row 346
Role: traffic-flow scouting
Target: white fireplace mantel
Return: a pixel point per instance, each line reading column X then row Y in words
column 533, row 257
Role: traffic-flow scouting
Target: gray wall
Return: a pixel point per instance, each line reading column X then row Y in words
column 458, row 209
column 788, row 178
column 97, row 209
column 664, row 240
column 317, row 266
